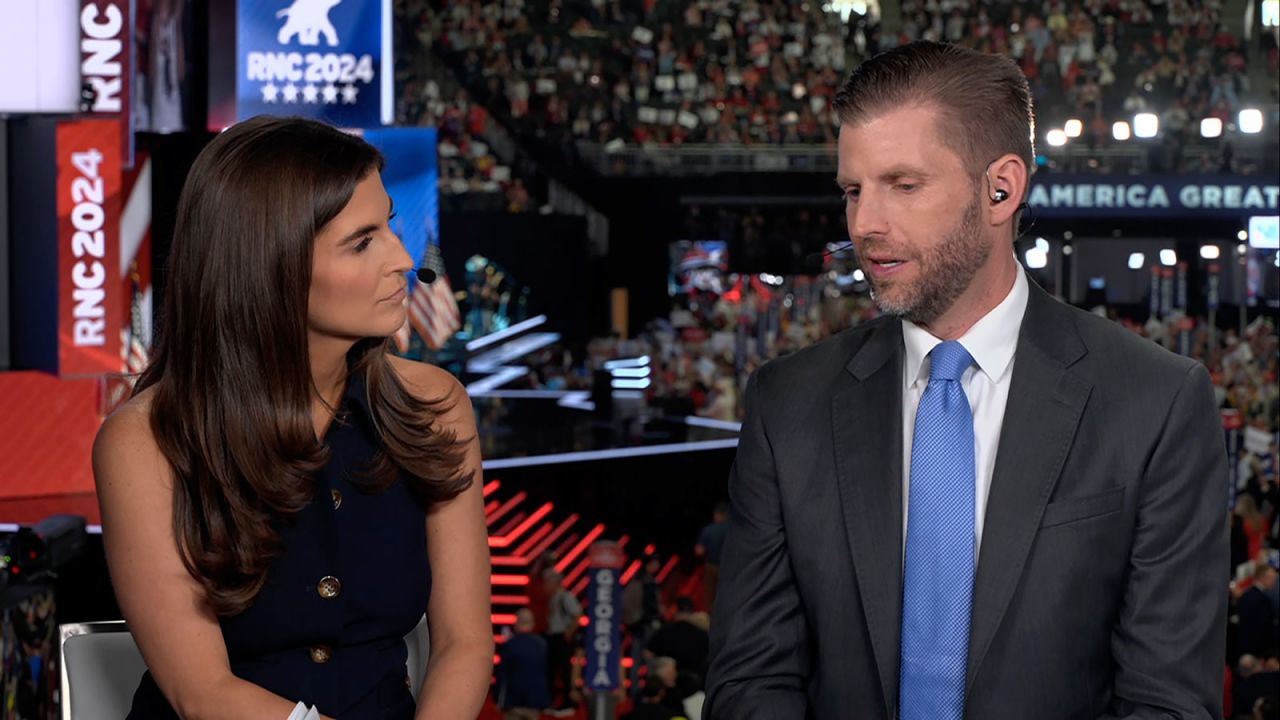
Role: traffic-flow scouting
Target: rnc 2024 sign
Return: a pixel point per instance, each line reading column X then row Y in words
column 324, row 59
column 1223, row 196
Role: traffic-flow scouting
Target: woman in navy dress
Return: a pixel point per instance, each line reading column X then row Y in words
column 282, row 498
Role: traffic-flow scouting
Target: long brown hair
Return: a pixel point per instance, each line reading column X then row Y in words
column 231, row 408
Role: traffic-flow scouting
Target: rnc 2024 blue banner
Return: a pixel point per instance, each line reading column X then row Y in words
column 322, row 59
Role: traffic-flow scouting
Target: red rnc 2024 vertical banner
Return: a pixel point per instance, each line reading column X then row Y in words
column 89, row 302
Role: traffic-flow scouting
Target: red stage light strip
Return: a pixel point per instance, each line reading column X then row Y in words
column 666, row 569
column 490, row 507
column 580, row 588
column 508, row 561
column 509, row 580
column 546, row 542
column 577, row 572
column 511, row 524
column 630, row 572
column 523, row 551
column 690, row 587
column 505, row 540
column 510, row 600
column 503, row 618
column 491, row 487
column 491, row 518
column 563, row 547
column 578, row 549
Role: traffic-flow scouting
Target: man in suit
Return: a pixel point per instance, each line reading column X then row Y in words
column 985, row 504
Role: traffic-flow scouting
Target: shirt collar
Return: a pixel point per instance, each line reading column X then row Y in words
column 991, row 341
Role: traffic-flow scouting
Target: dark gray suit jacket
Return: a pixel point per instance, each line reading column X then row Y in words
column 1101, row 581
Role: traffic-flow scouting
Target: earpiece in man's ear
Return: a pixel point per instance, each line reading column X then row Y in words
column 1000, row 197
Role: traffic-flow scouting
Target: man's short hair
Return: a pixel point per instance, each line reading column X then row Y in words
column 985, row 101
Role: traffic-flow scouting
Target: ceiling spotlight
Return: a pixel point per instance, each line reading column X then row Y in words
column 1211, row 127
column 1074, row 128
column 1120, row 130
column 1210, row 252
column 1243, row 235
column 1056, row 138
column 1168, row 258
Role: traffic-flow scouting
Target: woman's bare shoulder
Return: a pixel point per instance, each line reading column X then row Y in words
column 125, row 447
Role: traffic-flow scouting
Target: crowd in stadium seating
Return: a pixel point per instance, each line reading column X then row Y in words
column 430, row 97
column 1105, row 60
column 764, row 72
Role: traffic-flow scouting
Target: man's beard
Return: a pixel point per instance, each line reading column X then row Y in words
column 943, row 272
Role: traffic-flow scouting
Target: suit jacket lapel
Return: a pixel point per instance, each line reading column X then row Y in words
column 1045, row 403
column 866, row 411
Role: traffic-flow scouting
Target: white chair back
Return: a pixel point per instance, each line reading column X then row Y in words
column 101, row 668
column 418, row 643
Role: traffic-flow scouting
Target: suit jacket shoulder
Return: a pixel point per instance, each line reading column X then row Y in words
column 810, row 370
column 1120, row 359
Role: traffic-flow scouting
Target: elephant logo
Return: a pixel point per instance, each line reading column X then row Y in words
column 308, row 20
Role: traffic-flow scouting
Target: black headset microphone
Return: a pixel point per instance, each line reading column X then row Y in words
column 426, row 276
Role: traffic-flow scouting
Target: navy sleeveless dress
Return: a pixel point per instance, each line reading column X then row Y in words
column 353, row 579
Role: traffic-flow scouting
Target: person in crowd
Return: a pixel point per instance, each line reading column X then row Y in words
column 985, row 500
column 1256, row 682
column 710, row 548
column 522, row 672
column 652, row 703
column 282, row 498
column 1258, row 609
column 683, row 641
column 563, row 614
column 642, row 607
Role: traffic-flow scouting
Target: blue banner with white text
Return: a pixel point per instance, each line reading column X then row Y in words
column 1183, row 196
column 322, row 59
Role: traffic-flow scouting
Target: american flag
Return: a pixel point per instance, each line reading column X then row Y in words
column 135, row 353
column 433, row 311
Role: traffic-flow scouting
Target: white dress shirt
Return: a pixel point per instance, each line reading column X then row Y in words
column 991, row 341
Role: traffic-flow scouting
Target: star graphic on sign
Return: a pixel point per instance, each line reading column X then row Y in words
column 349, row 93
column 269, row 92
column 290, row 93
column 330, row 93
column 310, row 93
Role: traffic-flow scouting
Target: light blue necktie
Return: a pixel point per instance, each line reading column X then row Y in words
column 937, row 593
